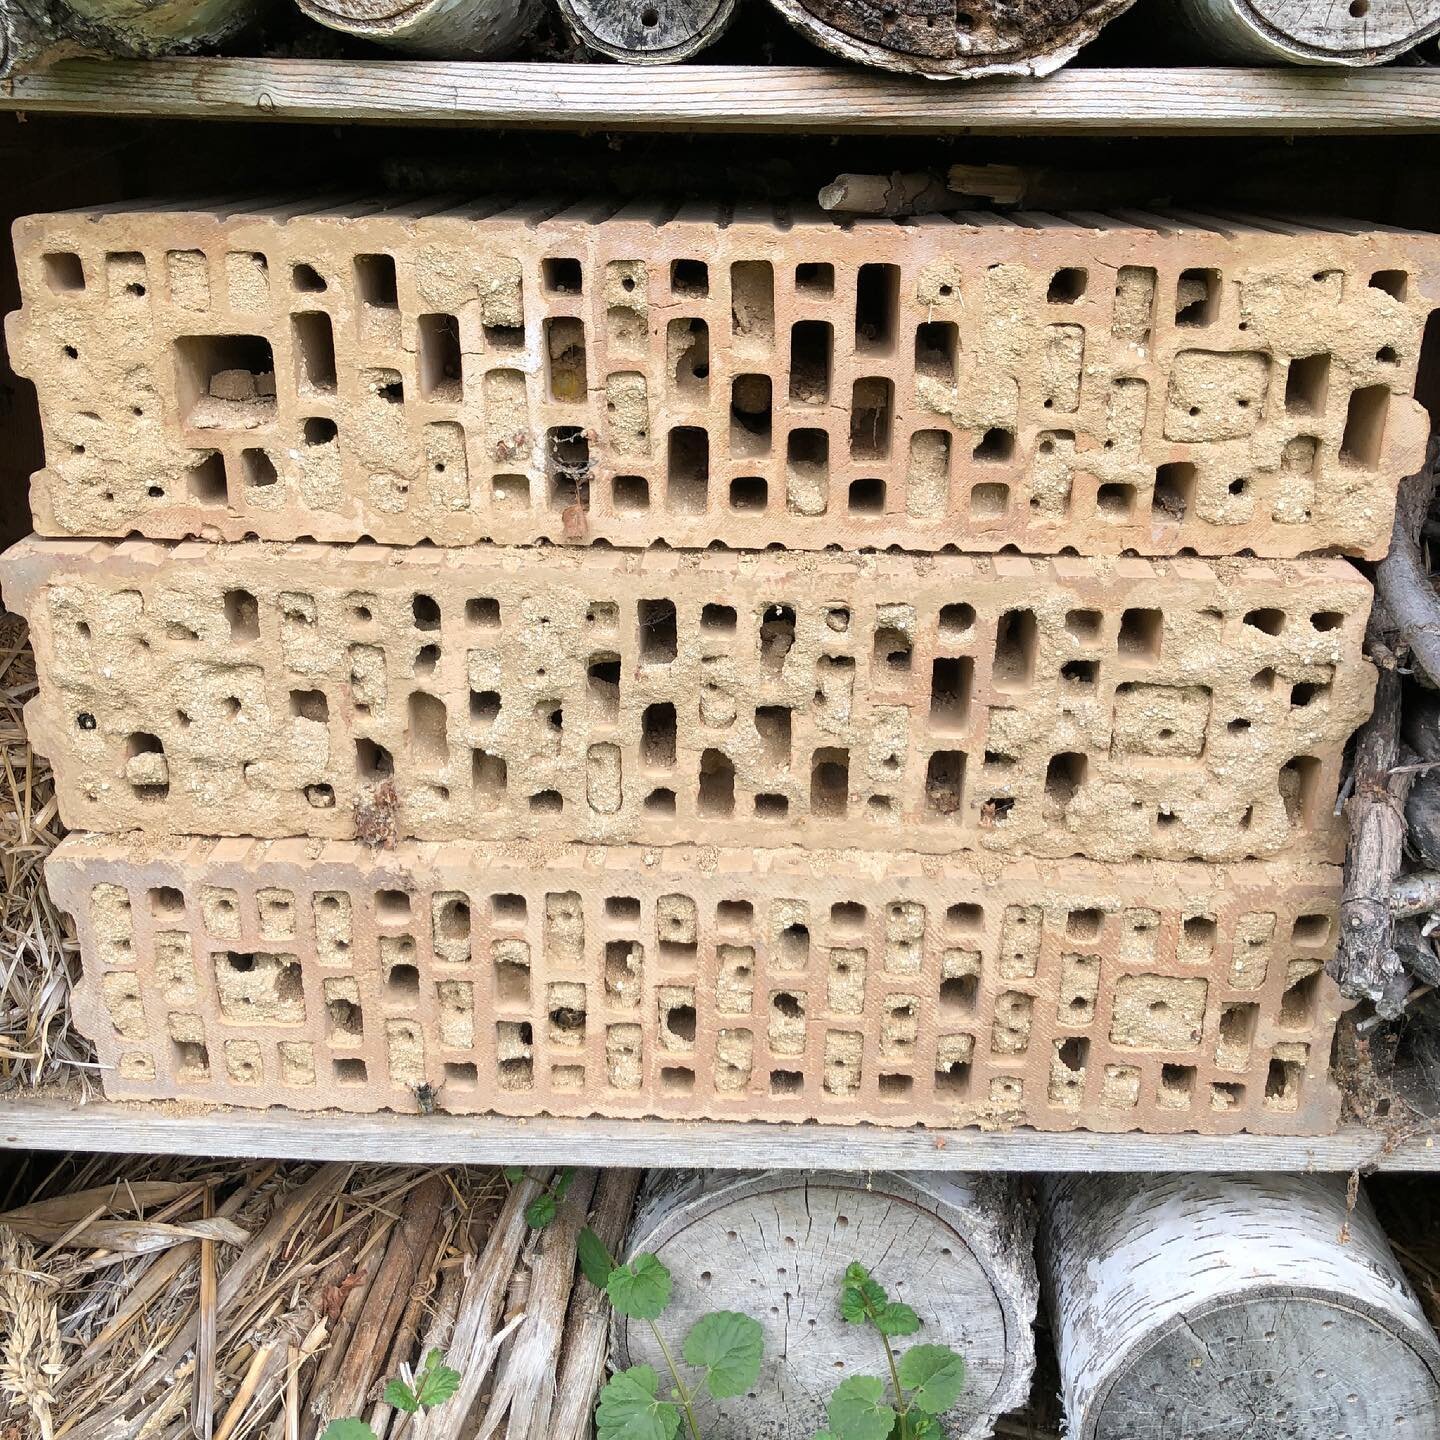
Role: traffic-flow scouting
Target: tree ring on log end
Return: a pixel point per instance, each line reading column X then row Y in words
column 946, row 39
column 648, row 32
column 776, row 1245
column 1304, row 32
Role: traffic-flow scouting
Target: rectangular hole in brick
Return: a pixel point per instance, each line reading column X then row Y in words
column 815, row 277
column 1394, row 283
column 1177, row 1084
column 461, row 1075
column 786, row 1082
column 565, row 358
column 958, row 994
column 509, row 910
column 1365, row 426
column 777, row 635
column 660, row 802
column 807, row 467
column 146, row 768
column 488, row 778
column 773, row 725
column 226, row 381
column 257, row 469
column 1237, row 1031
column 752, row 301
column 1016, row 640
column 965, row 918
column 847, row 917
column 1066, row 286
column 440, row 363
column 829, row 782
column 482, row 613
column 503, row 337
column 811, row 344
column 562, row 276
column 716, row 796
column 687, row 470
column 690, row 278
column 1084, row 925
column 1073, row 1053
column 1140, row 634
column 205, row 481
column 718, row 619
column 1115, row 502
column 996, row 445
column 945, row 782
column 1299, row 789
column 877, row 302
column 64, row 273
column 191, row 1058
column 622, row 910
column 602, row 676
column 318, row 430
column 866, row 497
column 372, row 760
column 989, row 500
column 630, row 494
column 243, row 613
column 1297, row 1004
column 1083, row 625
column 872, row 407
column 517, row 1073
column 426, row 731
column 750, row 415
column 1282, row 1084
column 1080, row 674
column 657, row 736
column 375, row 281
column 749, row 494
column 1064, row 776
column 950, row 686
column 307, row 279
column 895, row 1086
column 1307, row 692
column 937, row 345
column 349, row 1071
column 567, row 466
column 657, row 633
column 676, row 1080
column 1197, row 297
column 688, row 346
column 314, row 340
column 511, row 492
column 484, row 707
column 952, row 1082
column 1306, row 382
column 309, row 705
column 1311, row 930
column 1174, row 492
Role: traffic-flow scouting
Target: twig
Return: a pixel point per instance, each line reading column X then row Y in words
column 1402, row 580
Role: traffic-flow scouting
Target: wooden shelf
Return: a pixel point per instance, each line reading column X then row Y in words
column 50, row 1124
column 1189, row 101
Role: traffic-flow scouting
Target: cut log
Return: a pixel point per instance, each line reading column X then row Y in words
column 1305, row 32
column 948, row 41
column 442, row 29
column 1244, row 1306
column 775, row 1245
column 648, row 32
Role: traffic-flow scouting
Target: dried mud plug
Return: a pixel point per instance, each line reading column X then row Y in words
column 946, row 40
column 648, row 32
column 1232, row 1305
column 442, row 29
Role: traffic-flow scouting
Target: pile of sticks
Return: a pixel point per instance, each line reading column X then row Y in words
column 174, row 1298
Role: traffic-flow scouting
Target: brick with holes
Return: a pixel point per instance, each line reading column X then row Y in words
column 1150, row 383
column 779, row 985
column 1119, row 708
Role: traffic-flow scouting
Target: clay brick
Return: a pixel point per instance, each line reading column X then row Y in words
column 1112, row 708
column 1141, row 382
column 688, row 983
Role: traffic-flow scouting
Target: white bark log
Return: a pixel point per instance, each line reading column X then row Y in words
column 774, row 1245
column 1232, row 1308
column 1307, row 32
column 948, row 41
column 648, row 32
column 442, row 29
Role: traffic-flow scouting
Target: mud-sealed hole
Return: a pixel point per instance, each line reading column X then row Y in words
column 688, row 348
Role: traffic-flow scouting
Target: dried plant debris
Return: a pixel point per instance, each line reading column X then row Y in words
column 329, row 1282
column 38, row 959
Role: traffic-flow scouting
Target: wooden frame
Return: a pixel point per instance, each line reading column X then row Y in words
column 54, row 1124
column 1190, row 101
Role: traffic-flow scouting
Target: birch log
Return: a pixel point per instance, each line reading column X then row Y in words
column 1242, row 1307
column 648, row 32
column 946, row 40
column 1305, row 32
column 775, row 1245
column 441, row 29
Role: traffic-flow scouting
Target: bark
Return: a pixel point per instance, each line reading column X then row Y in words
column 439, row 29
column 1402, row 579
column 644, row 32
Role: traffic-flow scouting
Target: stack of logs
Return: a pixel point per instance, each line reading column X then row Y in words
column 915, row 37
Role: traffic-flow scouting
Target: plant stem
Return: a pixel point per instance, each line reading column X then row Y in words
column 679, row 1383
column 901, row 1408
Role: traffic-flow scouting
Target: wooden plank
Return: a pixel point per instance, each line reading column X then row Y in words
column 50, row 1124
column 738, row 97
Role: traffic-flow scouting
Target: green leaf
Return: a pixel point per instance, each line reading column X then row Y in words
column 923, row 1427
column 727, row 1346
column 540, row 1211
column 595, row 1259
column 824, row 1435
column 348, row 1430
column 437, row 1382
column 896, row 1319
column 936, row 1375
column 399, row 1395
column 640, row 1289
column 629, row 1408
column 567, row 1178
column 514, row 1173
column 857, row 1410
column 860, row 1296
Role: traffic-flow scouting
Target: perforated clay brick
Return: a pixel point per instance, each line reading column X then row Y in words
column 1152, row 383
column 1112, row 708
column 697, row 983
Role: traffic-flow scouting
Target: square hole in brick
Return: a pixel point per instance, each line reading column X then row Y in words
column 1197, row 297
column 1174, row 492
column 735, row 917
column 989, row 501
column 1394, row 283
column 965, row 918
column 815, row 277
column 461, row 1075
column 225, row 381
column 953, row 1082
column 771, row 807
column 307, row 279
column 375, row 281
column 866, row 497
column 318, row 430
column 751, row 415
column 749, row 494
column 64, row 272
column 995, row 445
column 630, row 494
column 257, row 469
column 205, row 481
column 676, row 1080
column 896, row 1087
column 511, row 492
column 1115, row 502
column 349, row 1071
column 482, row 613
column 690, row 278
column 847, row 917
column 787, row 1082
column 1311, row 930
column 562, row 276
column 1141, row 632
column 167, row 903
column 1066, row 286
column 1084, row 625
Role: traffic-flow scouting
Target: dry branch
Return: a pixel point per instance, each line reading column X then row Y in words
column 895, row 194
column 1402, row 579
